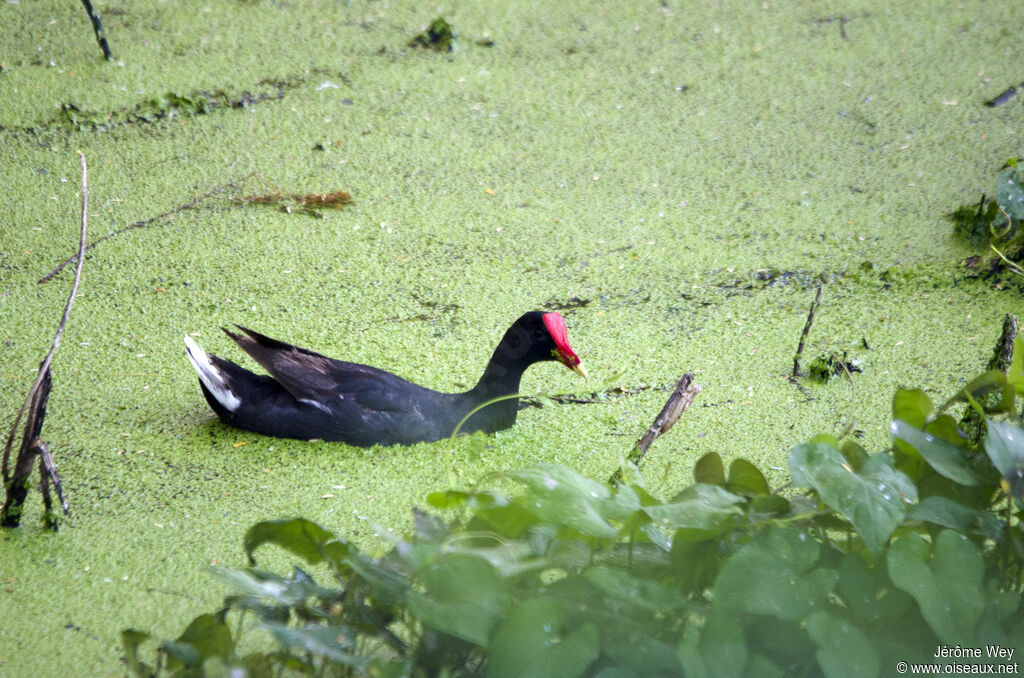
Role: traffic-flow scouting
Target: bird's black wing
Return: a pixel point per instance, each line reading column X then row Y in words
column 324, row 382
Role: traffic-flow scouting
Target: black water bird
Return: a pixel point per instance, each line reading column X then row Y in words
column 310, row 396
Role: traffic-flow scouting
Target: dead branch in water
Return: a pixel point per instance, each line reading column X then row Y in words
column 308, row 203
column 803, row 335
column 16, row 484
column 194, row 202
column 684, row 393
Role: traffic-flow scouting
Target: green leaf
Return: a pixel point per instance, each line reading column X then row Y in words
column 947, row 460
column 386, row 579
column 948, row 513
column 633, row 643
column 688, row 653
column 532, row 642
column 631, row 476
column 947, row 585
column 762, row 667
column 703, row 511
column 130, row 641
column 510, row 520
column 333, row 642
column 1010, row 192
column 210, row 636
column 775, row 574
column 509, row 558
column 723, row 646
column 826, row 438
column 945, row 427
column 1004, row 444
column 843, row 649
column 429, row 527
column 745, row 478
column 695, row 564
column 771, row 504
column 635, row 589
column 854, row 453
column 299, row 536
column 657, row 537
column 869, row 593
column 455, row 498
column 615, row 672
column 476, row 443
column 462, row 595
column 1002, row 603
column 180, row 655
column 709, row 470
column 992, row 381
column 912, row 406
column 874, row 500
column 259, row 588
column 207, row 636
column 262, row 586
column 560, row 496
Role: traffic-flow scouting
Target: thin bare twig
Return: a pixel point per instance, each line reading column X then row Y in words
column 48, row 474
column 35, row 401
column 146, row 222
column 803, row 335
column 97, row 27
column 63, row 320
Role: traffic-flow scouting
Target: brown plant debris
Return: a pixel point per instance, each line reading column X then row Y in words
column 308, row 203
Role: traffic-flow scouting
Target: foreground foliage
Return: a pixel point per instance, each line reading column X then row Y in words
column 867, row 560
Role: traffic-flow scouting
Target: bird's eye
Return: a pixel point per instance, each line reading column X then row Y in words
column 538, row 333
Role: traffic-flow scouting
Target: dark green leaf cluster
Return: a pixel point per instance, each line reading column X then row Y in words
column 828, row 365
column 996, row 223
column 438, row 36
column 166, row 106
column 864, row 561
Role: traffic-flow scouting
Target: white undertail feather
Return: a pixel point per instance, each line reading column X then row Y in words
column 210, row 375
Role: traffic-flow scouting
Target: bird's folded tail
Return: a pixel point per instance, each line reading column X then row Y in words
column 211, row 375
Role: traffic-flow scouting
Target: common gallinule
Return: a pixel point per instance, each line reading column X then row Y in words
column 308, row 395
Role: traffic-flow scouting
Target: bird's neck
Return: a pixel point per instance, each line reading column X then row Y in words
column 501, row 378
column 505, row 368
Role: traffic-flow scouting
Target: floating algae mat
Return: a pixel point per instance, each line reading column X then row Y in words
column 675, row 180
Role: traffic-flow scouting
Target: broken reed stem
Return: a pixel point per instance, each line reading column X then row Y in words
column 18, row 486
column 48, row 474
column 146, row 222
column 681, row 398
column 35, row 401
column 97, row 27
column 807, row 330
